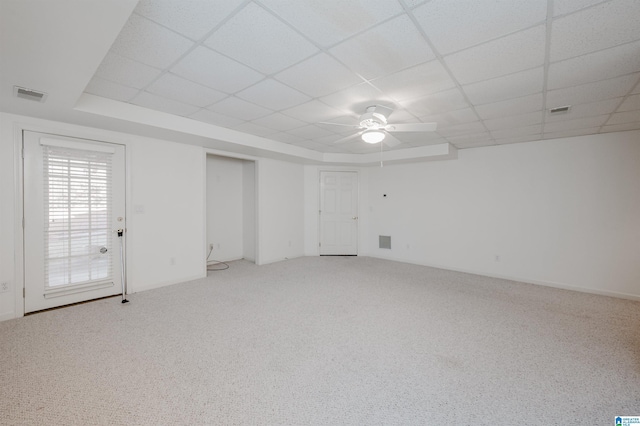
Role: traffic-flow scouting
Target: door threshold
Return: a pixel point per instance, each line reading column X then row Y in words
column 72, row 304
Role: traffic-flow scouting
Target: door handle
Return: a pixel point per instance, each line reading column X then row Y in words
column 103, row 250
column 355, row 218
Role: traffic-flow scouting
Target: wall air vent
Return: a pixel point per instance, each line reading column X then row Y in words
column 29, row 94
column 561, row 109
column 384, row 241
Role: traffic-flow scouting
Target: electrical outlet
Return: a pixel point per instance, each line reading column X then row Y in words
column 4, row 287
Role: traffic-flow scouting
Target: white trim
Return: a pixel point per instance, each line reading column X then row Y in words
column 552, row 284
column 75, row 145
column 18, row 234
column 168, row 283
column 79, row 132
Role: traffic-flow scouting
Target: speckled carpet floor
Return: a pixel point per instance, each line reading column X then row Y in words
column 327, row 341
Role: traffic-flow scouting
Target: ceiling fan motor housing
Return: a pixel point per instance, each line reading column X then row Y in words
column 373, row 120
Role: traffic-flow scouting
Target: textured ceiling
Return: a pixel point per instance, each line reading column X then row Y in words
column 486, row 71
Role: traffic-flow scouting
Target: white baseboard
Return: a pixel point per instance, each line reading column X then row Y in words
column 7, row 316
column 526, row 280
column 139, row 288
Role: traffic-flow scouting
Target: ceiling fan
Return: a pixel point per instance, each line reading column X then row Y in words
column 374, row 128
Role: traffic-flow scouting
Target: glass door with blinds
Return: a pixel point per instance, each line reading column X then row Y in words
column 74, row 202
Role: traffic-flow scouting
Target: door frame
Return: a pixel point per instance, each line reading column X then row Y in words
column 19, row 244
column 319, row 220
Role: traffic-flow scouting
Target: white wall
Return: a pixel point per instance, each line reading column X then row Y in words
column 249, row 212
column 562, row 212
column 225, row 212
column 166, row 239
column 165, row 206
column 281, row 210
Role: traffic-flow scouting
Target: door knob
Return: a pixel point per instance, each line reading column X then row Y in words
column 355, row 218
column 103, row 250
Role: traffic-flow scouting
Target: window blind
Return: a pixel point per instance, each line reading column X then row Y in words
column 77, row 204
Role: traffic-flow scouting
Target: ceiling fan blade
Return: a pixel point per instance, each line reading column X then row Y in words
column 390, row 140
column 355, row 126
column 412, row 127
column 348, row 138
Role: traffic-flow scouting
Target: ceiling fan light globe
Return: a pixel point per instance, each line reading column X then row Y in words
column 373, row 136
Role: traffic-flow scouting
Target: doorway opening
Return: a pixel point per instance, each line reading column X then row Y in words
column 231, row 193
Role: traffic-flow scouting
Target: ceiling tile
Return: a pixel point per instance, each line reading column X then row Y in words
column 315, row 146
column 158, row 103
column 266, row 44
column 605, row 25
column 310, row 132
column 329, row 22
column 502, row 88
column 177, row 88
column 211, row 117
column 126, row 71
column 216, row 71
column 591, row 92
column 107, row 89
column 504, row 56
column 384, row 49
column 450, row 118
column 318, row 76
column 461, row 129
column 400, row 115
column 512, row 121
column 329, row 139
column 413, row 82
column 273, row 95
column 596, row 66
column 620, row 127
column 279, row 122
column 562, row 7
column 355, row 99
column 571, row 133
column 191, row 18
column 313, row 112
column 255, row 129
column 238, row 108
column 590, row 109
column 448, row 100
column 453, row 26
column 578, row 123
column 150, row 43
column 625, row 117
column 630, row 104
column 516, row 132
column 521, row 105
column 341, row 125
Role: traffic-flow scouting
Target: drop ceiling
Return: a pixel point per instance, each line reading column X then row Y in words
column 487, row 71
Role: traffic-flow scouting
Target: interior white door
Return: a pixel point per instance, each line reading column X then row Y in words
column 74, row 202
column 338, row 213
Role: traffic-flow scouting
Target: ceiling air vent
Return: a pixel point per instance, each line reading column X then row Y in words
column 29, row 94
column 558, row 110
